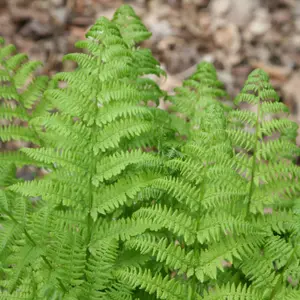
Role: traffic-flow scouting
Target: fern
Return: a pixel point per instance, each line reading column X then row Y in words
column 229, row 243
column 20, row 91
column 129, row 209
column 258, row 141
column 108, row 124
column 199, row 91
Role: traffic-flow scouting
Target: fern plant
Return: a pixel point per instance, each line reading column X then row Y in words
column 220, row 241
column 197, row 92
column 20, row 91
column 266, row 145
column 129, row 208
column 99, row 114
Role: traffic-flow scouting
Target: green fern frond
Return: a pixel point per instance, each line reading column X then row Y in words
column 16, row 60
column 287, row 294
column 163, row 287
column 179, row 189
column 9, row 231
column 130, row 25
column 113, row 165
column 179, row 223
column 17, row 78
column 264, row 272
column 241, row 292
column 120, row 110
column 34, row 91
column 111, row 197
column 262, row 144
column 13, row 132
column 70, row 257
column 216, row 227
column 99, row 116
column 58, row 158
column 243, row 116
column 24, row 72
column 12, row 225
column 55, row 192
column 188, row 168
column 243, row 139
column 273, row 107
column 175, row 257
column 9, row 113
column 268, row 128
column 274, row 148
column 110, row 137
column 21, row 258
column 198, row 92
column 9, row 93
column 20, row 89
column 6, row 50
column 122, row 229
column 67, row 220
column 232, row 247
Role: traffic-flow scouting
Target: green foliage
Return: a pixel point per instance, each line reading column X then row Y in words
column 198, row 92
column 228, row 177
column 265, row 145
column 20, row 90
column 139, row 203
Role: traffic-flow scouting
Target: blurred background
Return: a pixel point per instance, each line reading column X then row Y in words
column 235, row 35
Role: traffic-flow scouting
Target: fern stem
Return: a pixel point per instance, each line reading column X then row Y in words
column 11, row 216
column 253, row 169
column 51, row 268
column 90, row 220
column 91, row 188
column 62, row 285
column 34, row 244
column 277, row 285
column 16, row 222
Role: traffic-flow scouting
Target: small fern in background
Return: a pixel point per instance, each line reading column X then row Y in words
column 216, row 242
column 20, row 90
column 129, row 208
column 198, row 92
column 266, row 145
